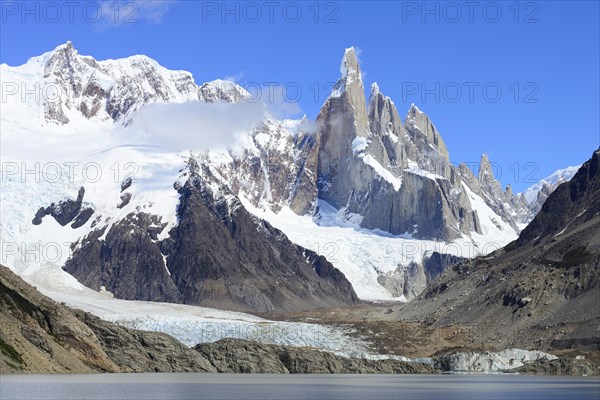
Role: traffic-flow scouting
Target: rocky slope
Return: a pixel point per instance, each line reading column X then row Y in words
column 560, row 367
column 40, row 336
column 541, row 291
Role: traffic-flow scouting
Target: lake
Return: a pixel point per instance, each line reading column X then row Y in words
column 313, row 387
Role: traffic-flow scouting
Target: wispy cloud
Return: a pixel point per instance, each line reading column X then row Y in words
column 358, row 51
column 236, row 78
column 193, row 125
column 118, row 13
column 282, row 101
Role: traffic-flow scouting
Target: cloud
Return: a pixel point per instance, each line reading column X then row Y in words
column 117, row 13
column 235, row 78
column 358, row 51
column 193, row 125
column 283, row 101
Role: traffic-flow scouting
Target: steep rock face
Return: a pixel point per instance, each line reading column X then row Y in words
column 350, row 159
column 274, row 169
column 425, row 137
column 396, row 176
column 218, row 255
column 342, row 119
column 436, row 263
column 126, row 259
column 215, row 233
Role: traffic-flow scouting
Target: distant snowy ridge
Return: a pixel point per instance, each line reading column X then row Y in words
column 551, row 181
column 62, row 86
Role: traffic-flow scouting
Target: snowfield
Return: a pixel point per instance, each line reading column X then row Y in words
column 562, row 175
column 362, row 254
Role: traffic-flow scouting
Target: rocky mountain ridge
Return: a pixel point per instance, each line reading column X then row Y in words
column 397, row 176
column 115, row 89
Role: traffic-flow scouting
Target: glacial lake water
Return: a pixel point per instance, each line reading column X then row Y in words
column 313, row 387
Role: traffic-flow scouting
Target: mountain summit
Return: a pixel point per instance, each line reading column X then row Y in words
column 75, row 85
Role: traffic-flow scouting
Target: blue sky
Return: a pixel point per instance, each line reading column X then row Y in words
column 446, row 58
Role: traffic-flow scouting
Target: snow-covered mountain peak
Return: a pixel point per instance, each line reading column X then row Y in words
column 349, row 67
column 222, row 91
column 374, row 88
column 64, row 49
column 350, row 79
column 549, row 183
column 109, row 90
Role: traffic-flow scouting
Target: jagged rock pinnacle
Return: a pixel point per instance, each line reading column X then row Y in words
column 374, row 88
column 349, row 67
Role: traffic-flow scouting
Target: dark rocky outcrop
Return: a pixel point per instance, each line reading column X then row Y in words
column 125, row 199
column 222, row 255
column 82, row 217
column 128, row 262
column 436, row 263
column 66, row 211
column 126, row 184
column 39, row 215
